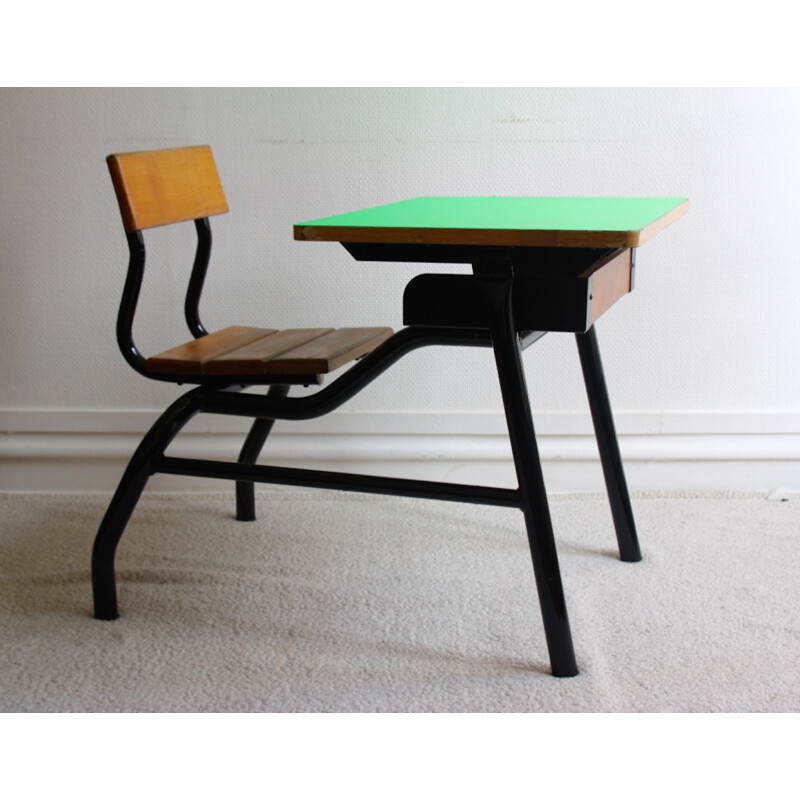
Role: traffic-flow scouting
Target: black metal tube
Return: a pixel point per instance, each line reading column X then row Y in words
column 496, row 279
column 191, row 307
column 607, row 444
column 321, row 479
column 345, row 387
column 251, row 449
column 130, row 488
column 130, row 297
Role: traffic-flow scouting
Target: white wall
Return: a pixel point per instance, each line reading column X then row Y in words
column 700, row 359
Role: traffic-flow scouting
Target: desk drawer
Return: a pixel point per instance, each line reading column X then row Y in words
column 543, row 300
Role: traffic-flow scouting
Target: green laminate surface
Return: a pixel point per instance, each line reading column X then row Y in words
column 510, row 213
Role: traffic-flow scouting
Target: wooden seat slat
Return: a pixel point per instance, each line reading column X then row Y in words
column 190, row 358
column 254, row 358
column 329, row 352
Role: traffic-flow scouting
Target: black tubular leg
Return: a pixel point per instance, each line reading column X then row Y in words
column 606, row 434
column 496, row 280
column 251, row 449
column 136, row 475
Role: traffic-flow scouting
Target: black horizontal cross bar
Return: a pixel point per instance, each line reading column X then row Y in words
column 320, row 479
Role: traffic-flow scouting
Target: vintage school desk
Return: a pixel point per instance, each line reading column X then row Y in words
column 538, row 264
column 535, row 265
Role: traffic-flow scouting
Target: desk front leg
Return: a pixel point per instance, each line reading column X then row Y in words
column 496, row 280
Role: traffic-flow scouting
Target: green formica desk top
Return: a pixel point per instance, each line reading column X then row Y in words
column 506, row 221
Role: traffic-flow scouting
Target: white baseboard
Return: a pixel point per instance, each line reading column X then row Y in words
column 78, row 451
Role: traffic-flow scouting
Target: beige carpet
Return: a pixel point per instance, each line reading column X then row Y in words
column 353, row 603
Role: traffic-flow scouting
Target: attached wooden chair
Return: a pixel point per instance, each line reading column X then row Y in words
column 164, row 187
column 171, row 186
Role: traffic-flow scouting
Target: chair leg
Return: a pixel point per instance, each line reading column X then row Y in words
column 607, row 444
column 251, row 449
column 507, row 350
column 124, row 501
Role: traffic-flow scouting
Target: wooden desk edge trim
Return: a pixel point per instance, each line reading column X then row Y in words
column 658, row 225
column 461, row 236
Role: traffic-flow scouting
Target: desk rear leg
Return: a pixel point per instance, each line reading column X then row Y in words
column 606, row 434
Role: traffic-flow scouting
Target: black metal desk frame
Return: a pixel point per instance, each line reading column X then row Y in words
column 484, row 309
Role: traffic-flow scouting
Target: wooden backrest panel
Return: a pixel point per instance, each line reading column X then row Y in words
column 159, row 187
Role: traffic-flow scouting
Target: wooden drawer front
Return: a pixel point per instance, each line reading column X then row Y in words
column 608, row 282
column 543, row 301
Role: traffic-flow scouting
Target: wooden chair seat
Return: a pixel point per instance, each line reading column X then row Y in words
column 241, row 350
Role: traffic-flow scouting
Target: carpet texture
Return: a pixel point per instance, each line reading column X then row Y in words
column 352, row 603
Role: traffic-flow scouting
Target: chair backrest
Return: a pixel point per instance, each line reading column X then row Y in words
column 160, row 187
